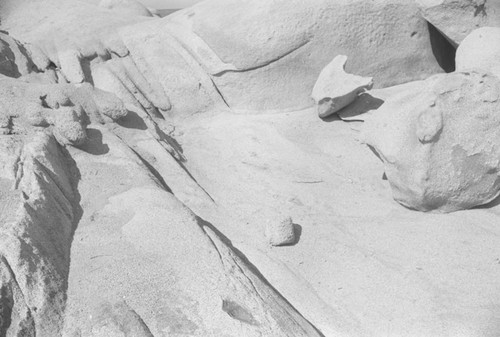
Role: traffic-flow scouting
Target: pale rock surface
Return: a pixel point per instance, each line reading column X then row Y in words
column 335, row 89
column 457, row 18
column 28, row 108
column 71, row 61
column 61, row 108
column 202, row 287
column 38, row 218
column 127, row 7
column 439, row 143
column 387, row 40
column 119, row 218
column 390, row 270
column 280, row 232
column 118, row 320
column 72, row 35
column 480, row 50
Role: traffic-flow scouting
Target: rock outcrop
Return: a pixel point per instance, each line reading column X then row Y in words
column 335, row 89
column 440, row 144
column 127, row 7
column 457, row 18
column 138, row 217
column 118, row 320
column 274, row 67
column 63, row 109
column 15, row 59
column 480, row 50
column 36, row 230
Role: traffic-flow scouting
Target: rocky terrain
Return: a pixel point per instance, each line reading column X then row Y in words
column 250, row 168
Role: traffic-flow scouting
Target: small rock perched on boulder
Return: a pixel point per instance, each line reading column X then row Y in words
column 280, row 233
column 335, row 89
column 440, row 144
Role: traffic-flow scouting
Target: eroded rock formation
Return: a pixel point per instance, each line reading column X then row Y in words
column 439, row 142
column 101, row 229
column 458, row 18
column 335, row 89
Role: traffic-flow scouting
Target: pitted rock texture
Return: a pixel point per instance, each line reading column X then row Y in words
column 440, row 143
column 63, row 109
column 280, row 232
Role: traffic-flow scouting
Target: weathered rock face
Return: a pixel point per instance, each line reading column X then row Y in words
column 37, row 222
column 217, row 61
column 63, row 109
column 128, row 7
column 118, row 320
column 335, row 89
column 480, row 50
column 441, row 144
column 274, row 65
column 15, row 60
column 457, row 18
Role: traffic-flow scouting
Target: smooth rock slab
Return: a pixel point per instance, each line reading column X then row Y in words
column 440, row 143
column 335, row 89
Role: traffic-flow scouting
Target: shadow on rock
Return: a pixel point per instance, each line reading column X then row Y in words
column 94, row 144
column 492, row 204
column 132, row 121
column 354, row 111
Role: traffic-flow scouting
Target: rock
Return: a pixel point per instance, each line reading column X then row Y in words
column 127, row 7
column 64, row 109
column 14, row 58
column 480, row 50
column 118, row 320
column 457, row 18
column 70, row 62
column 440, row 144
column 30, row 108
column 36, row 238
column 109, row 105
column 336, row 89
column 15, row 316
column 68, row 126
column 275, row 66
column 280, row 233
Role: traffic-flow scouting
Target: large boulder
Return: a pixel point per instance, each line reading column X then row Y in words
column 457, row 18
column 480, row 50
column 267, row 55
column 440, row 144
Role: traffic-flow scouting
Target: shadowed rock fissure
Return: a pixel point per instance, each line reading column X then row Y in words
column 233, row 259
column 442, row 48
